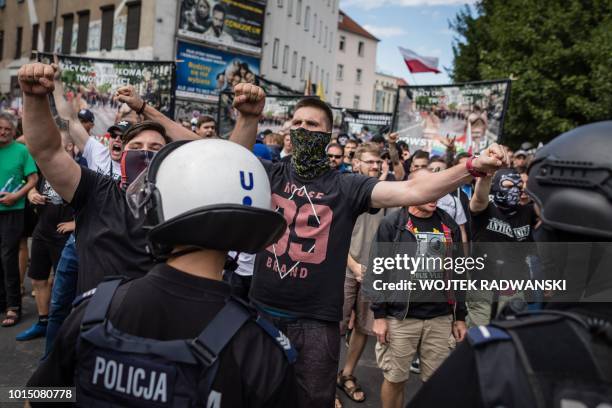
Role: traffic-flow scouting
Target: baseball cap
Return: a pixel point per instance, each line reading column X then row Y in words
column 122, row 127
column 520, row 153
column 86, row 115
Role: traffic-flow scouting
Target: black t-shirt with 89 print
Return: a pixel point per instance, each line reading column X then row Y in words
column 303, row 273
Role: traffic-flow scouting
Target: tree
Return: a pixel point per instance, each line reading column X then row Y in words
column 558, row 53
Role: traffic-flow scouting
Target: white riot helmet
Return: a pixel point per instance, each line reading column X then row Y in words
column 210, row 193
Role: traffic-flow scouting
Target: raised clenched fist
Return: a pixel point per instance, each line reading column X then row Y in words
column 36, row 79
column 393, row 137
column 129, row 96
column 249, row 99
column 491, row 159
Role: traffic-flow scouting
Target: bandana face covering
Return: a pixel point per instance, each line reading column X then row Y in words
column 308, row 158
column 134, row 162
column 506, row 197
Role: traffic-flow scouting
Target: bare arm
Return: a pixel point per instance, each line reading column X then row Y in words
column 77, row 132
column 42, row 135
column 249, row 101
column 420, row 190
column 480, row 198
column 128, row 95
column 398, row 168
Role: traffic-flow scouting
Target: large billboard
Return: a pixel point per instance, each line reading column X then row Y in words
column 277, row 112
column 90, row 83
column 236, row 24
column 202, row 73
column 472, row 114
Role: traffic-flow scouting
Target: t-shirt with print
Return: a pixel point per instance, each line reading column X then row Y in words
column 303, row 273
column 52, row 213
column 495, row 225
column 99, row 159
column 16, row 164
column 453, row 207
column 109, row 239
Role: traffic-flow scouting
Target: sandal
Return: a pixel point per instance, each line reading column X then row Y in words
column 13, row 315
column 349, row 391
column 337, row 402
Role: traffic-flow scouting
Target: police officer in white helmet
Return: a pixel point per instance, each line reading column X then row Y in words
column 175, row 337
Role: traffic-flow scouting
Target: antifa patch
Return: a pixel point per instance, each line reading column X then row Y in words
column 127, row 381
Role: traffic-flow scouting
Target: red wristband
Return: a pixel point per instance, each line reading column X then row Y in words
column 470, row 168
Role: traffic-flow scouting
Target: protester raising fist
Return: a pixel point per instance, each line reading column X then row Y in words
column 128, row 95
column 249, row 99
column 36, row 79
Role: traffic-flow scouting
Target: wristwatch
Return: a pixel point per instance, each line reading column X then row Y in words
column 469, row 165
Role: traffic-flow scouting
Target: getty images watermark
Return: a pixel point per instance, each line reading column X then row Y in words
column 422, row 271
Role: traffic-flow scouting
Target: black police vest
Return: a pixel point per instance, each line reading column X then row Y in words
column 116, row 369
column 542, row 359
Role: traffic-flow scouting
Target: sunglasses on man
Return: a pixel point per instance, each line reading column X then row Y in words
column 335, row 156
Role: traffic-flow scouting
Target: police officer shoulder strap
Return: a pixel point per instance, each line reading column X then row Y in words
column 98, row 306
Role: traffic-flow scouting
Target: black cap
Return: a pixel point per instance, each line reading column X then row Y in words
column 86, row 115
column 122, row 127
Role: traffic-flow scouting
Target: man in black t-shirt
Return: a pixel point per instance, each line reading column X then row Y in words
column 501, row 220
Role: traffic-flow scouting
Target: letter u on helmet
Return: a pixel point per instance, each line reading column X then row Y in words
column 211, row 193
column 570, row 179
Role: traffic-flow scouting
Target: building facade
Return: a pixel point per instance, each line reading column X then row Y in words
column 355, row 73
column 385, row 92
column 299, row 43
column 117, row 29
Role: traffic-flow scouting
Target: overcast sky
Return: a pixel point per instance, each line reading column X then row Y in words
column 421, row 26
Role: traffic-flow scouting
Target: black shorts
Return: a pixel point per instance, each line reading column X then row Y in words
column 29, row 220
column 45, row 255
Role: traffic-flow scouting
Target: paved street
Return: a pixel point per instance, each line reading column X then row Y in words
column 19, row 360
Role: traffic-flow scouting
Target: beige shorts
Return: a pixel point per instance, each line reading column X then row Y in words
column 436, row 342
column 354, row 300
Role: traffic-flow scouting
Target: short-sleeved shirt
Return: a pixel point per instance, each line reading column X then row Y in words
column 495, row 225
column 52, row 213
column 16, row 164
column 109, row 239
column 99, row 159
column 303, row 273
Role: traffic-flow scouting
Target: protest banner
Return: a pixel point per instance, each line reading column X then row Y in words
column 361, row 122
column 429, row 117
column 235, row 24
column 187, row 110
column 90, row 83
column 202, row 72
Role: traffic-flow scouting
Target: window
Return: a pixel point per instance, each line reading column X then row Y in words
column 314, row 26
column 289, row 7
column 286, row 59
column 331, row 41
column 325, row 41
column 356, row 102
column 333, row 6
column 294, row 64
column 18, row 45
column 342, row 43
column 360, row 49
column 340, row 72
column 337, row 98
column 132, row 32
column 48, row 36
column 67, row 33
column 106, row 36
column 280, row 3
column 307, row 18
column 302, row 68
column 320, row 32
column 298, row 12
column 34, row 37
column 83, row 31
column 275, row 53
column 358, row 76
column 1, row 45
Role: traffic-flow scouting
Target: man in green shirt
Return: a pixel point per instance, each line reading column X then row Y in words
column 17, row 176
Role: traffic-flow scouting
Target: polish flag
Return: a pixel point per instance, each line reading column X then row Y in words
column 418, row 63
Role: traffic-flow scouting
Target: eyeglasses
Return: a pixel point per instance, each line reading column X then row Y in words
column 371, row 162
column 335, row 156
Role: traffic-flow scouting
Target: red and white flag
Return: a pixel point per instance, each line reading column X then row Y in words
column 418, row 63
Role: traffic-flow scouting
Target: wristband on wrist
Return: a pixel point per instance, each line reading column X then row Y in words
column 469, row 165
column 142, row 108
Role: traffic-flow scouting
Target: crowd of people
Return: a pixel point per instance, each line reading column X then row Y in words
column 175, row 210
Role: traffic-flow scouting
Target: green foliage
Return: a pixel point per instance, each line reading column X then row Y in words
column 558, row 53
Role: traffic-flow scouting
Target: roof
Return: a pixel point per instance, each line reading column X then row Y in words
column 345, row 23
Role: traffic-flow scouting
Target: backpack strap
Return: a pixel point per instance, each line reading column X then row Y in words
column 98, row 306
column 280, row 338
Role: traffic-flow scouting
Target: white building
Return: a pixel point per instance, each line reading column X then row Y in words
column 385, row 91
column 299, row 42
column 355, row 71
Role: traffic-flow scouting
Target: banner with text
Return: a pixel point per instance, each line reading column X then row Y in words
column 362, row 122
column 202, row 73
column 430, row 117
column 91, row 83
column 236, row 24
